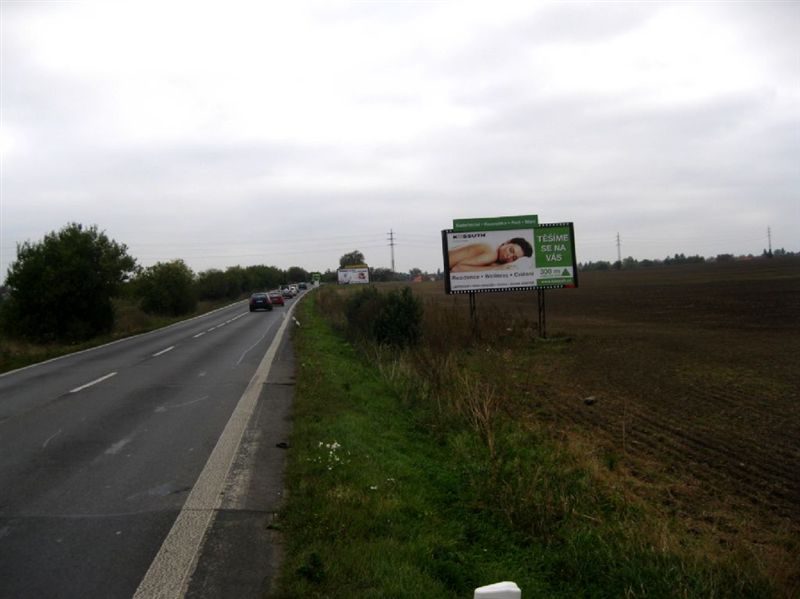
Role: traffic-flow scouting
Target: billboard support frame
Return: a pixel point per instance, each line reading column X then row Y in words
column 542, row 314
column 473, row 311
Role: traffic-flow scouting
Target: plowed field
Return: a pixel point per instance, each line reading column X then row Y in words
column 685, row 377
column 697, row 367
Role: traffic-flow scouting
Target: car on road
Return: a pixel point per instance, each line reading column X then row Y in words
column 287, row 293
column 276, row 297
column 260, row 301
column 303, row 286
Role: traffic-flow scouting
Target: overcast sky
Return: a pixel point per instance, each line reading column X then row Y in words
column 290, row 133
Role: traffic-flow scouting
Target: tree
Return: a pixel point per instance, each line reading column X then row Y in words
column 354, row 257
column 296, row 274
column 264, row 277
column 167, row 288
column 211, row 285
column 61, row 287
column 238, row 281
column 381, row 275
column 630, row 262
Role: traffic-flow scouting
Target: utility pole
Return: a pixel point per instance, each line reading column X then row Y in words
column 391, row 245
column 769, row 240
column 619, row 251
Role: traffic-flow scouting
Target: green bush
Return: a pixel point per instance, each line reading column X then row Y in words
column 399, row 322
column 392, row 319
column 213, row 285
column 167, row 288
column 362, row 310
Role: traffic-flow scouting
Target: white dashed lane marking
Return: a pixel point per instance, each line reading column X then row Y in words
column 94, row 382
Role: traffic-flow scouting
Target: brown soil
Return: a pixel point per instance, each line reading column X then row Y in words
column 684, row 380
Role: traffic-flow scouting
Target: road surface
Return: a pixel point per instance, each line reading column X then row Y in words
column 100, row 450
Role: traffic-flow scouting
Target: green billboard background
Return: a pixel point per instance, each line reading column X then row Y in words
column 555, row 255
column 498, row 223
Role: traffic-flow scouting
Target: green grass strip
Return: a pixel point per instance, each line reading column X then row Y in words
column 380, row 506
column 363, row 517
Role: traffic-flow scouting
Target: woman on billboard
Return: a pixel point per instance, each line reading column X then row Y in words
column 483, row 256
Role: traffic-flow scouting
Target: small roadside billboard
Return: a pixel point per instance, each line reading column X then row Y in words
column 357, row 274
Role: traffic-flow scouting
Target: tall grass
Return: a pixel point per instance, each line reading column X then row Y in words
column 129, row 320
column 501, row 498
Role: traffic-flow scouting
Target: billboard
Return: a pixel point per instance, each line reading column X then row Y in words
column 496, row 223
column 540, row 256
column 354, row 275
column 554, row 251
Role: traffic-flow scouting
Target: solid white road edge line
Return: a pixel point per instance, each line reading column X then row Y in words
column 169, row 573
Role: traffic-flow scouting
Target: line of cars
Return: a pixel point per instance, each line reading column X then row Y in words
column 266, row 300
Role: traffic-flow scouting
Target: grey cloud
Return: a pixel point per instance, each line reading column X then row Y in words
column 624, row 162
column 584, row 22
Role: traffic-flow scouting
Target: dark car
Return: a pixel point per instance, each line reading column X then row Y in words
column 276, row 297
column 302, row 286
column 260, row 301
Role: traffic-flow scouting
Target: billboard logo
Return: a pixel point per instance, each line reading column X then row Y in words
column 468, row 235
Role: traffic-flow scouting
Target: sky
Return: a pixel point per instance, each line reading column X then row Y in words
column 290, row 133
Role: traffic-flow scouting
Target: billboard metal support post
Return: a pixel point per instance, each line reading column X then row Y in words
column 473, row 310
column 542, row 314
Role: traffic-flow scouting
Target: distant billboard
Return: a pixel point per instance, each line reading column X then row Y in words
column 354, row 275
column 485, row 259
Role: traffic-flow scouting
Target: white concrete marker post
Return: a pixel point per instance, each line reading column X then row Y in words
column 499, row 590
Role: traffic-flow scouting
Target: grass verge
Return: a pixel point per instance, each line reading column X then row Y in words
column 130, row 320
column 393, row 497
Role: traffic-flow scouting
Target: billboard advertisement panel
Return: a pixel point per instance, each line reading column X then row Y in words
column 540, row 257
column 486, row 260
column 355, row 275
column 496, row 223
column 555, row 256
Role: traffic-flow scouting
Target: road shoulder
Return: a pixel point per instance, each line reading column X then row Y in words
column 241, row 552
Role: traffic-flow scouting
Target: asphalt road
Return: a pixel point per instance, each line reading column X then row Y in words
column 100, row 450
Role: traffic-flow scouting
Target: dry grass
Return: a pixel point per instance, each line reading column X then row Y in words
column 676, row 386
column 129, row 320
